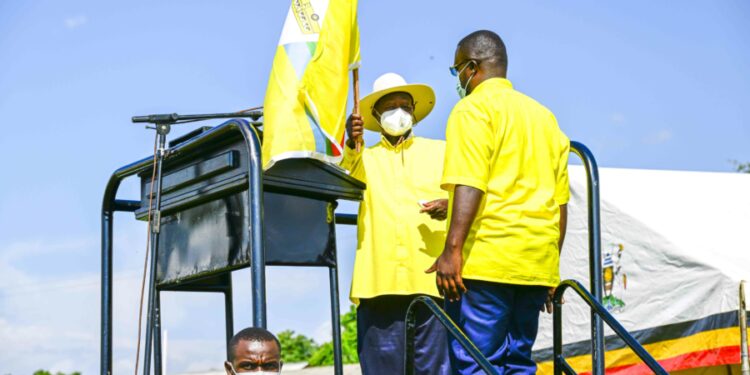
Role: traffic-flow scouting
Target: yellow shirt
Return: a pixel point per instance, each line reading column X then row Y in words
column 509, row 146
column 395, row 242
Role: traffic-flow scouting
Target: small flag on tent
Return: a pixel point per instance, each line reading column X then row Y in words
column 305, row 103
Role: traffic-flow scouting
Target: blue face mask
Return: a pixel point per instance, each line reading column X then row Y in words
column 461, row 89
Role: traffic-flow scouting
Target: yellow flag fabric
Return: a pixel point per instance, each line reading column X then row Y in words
column 305, row 103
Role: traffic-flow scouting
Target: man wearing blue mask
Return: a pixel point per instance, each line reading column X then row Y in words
column 506, row 171
column 400, row 227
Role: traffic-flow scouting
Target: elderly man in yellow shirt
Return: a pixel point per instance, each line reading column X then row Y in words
column 400, row 228
column 506, row 171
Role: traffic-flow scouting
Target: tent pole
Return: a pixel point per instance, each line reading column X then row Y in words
column 744, row 361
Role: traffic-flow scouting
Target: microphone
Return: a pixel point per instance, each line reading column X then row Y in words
column 155, row 119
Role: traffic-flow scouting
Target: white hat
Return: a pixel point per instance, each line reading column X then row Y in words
column 424, row 98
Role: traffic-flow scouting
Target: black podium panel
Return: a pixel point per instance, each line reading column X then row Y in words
column 217, row 210
column 299, row 231
column 213, row 238
column 221, row 167
column 205, row 218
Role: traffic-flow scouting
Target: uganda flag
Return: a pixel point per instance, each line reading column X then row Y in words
column 305, row 102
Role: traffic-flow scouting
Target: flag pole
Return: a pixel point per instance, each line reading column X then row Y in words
column 355, row 110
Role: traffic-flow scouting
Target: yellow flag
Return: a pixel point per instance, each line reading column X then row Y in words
column 305, row 103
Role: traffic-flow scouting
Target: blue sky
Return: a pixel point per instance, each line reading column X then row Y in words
column 644, row 84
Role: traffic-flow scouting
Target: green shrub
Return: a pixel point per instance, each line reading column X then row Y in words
column 296, row 348
column 324, row 355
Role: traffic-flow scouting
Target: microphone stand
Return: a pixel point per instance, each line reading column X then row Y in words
column 173, row 118
column 163, row 124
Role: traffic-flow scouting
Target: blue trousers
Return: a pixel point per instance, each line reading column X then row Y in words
column 502, row 320
column 381, row 337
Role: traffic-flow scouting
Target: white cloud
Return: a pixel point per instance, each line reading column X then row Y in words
column 34, row 248
column 196, row 355
column 51, row 321
column 323, row 333
column 659, row 137
column 75, row 22
column 617, row 118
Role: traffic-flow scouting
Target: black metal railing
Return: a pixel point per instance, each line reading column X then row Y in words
column 594, row 298
column 561, row 365
column 346, row 219
column 595, row 250
column 110, row 205
column 411, row 322
column 450, row 327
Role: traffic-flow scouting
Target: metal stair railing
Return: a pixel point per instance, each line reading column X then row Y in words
column 595, row 260
column 595, row 250
column 450, row 327
column 443, row 318
column 561, row 365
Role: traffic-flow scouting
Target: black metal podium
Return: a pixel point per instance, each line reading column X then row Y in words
column 220, row 212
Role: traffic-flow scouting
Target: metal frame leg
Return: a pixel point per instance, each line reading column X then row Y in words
column 106, row 292
column 152, row 313
column 257, row 248
column 162, row 130
column 157, row 333
column 109, row 207
column 338, row 362
column 228, row 314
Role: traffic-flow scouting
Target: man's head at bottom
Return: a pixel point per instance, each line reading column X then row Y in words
column 254, row 350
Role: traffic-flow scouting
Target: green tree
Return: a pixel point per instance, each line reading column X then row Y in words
column 741, row 167
column 324, row 355
column 296, row 348
column 349, row 336
column 45, row 372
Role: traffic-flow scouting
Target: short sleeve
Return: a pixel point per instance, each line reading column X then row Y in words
column 469, row 142
column 562, row 184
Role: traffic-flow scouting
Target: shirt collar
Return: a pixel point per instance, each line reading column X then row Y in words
column 406, row 143
column 494, row 82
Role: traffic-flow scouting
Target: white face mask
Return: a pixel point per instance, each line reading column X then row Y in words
column 258, row 373
column 234, row 372
column 396, row 122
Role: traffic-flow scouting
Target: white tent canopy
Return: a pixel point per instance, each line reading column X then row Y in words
column 676, row 245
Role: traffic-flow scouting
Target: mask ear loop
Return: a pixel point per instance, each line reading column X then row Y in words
column 377, row 118
column 231, row 368
column 468, row 81
column 465, row 88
